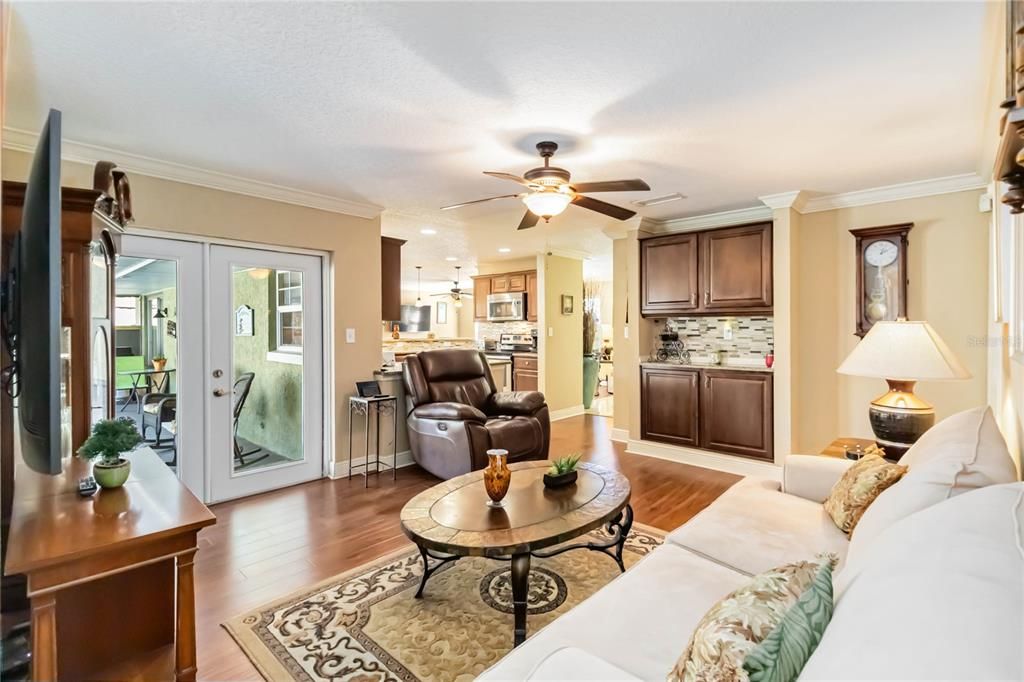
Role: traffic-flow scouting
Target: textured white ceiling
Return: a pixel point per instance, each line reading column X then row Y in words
column 403, row 104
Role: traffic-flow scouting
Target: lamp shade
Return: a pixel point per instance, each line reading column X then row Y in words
column 547, row 204
column 902, row 350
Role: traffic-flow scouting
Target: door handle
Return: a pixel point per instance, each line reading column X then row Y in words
column 693, row 298
column 707, row 297
column 220, row 392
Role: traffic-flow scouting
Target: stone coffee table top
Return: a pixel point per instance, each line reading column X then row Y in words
column 453, row 516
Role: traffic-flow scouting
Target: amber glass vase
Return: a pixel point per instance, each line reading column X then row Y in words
column 497, row 476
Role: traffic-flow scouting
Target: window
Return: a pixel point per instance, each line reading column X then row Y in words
column 126, row 311
column 289, row 311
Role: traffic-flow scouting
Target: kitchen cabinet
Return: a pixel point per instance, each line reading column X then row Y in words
column 532, row 304
column 736, row 264
column 736, row 409
column 525, row 372
column 713, row 272
column 390, row 278
column 508, row 283
column 669, row 282
column 669, row 405
column 481, row 290
column 724, row 410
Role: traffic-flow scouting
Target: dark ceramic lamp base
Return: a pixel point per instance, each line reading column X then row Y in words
column 899, row 418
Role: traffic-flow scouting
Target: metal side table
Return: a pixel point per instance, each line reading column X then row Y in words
column 381, row 405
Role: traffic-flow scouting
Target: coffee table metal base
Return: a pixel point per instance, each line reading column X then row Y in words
column 618, row 527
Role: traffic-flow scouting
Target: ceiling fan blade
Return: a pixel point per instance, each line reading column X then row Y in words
column 528, row 221
column 634, row 185
column 603, row 207
column 478, row 201
column 509, row 176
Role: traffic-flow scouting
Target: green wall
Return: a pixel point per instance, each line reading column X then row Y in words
column 272, row 416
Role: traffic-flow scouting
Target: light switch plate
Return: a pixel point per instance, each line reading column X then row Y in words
column 551, row 331
column 625, row 332
column 350, row 335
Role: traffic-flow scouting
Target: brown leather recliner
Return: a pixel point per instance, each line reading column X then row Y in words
column 455, row 414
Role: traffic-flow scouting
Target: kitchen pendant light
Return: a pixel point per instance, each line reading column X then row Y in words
column 418, row 299
column 547, row 203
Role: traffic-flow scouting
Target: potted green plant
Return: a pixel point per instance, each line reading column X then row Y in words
column 159, row 362
column 110, row 438
column 562, row 471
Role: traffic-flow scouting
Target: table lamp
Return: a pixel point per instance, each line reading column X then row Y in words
column 902, row 353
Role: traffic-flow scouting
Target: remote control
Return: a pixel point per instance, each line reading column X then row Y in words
column 87, row 486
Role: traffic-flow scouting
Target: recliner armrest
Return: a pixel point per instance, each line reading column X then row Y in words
column 450, row 412
column 515, row 403
column 812, row 476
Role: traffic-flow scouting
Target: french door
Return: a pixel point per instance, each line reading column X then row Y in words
column 237, row 407
column 265, row 370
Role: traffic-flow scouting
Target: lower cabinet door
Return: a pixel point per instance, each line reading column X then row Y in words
column 736, row 413
column 524, row 380
column 669, row 407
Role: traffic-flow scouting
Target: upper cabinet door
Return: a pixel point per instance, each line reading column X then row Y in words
column 481, row 290
column 499, row 284
column 669, row 275
column 517, row 282
column 737, row 268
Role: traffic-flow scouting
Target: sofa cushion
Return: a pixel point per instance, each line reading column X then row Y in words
column 858, row 487
column 960, row 453
column 939, row 592
column 734, row 626
column 639, row 622
column 753, row 527
column 572, row 663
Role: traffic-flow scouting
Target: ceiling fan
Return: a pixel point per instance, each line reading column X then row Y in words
column 550, row 191
column 457, row 293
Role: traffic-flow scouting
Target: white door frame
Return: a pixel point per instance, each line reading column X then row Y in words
column 190, row 365
column 329, row 341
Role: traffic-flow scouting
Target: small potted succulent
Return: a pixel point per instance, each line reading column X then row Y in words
column 159, row 362
column 562, row 471
column 110, row 438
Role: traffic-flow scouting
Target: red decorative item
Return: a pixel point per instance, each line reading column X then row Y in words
column 769, row 359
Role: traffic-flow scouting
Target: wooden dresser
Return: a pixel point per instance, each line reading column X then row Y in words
column 109, row 576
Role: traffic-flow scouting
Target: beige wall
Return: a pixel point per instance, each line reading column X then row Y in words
column 353, row 244
column 560, row 337
column 948, row 270
column 499, row 267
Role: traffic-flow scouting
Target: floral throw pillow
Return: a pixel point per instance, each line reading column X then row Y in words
column 858, row 488
column 781, row 656
column 734, row 626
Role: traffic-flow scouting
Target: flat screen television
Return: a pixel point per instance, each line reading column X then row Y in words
column 32, row 308
column 413, row 319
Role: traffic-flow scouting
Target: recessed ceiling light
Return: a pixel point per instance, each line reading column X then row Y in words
column 504, row 249
column 428, row 230
column 675, row 196
column 451, row 259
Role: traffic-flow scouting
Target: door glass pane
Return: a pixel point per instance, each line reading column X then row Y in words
column 267, row 371
column 146, row 350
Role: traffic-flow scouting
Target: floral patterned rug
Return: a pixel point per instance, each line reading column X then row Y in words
column 365, row 625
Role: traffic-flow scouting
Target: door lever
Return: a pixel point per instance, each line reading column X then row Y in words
column 219, row 392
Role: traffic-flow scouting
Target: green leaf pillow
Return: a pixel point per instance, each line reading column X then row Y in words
column 783, row 653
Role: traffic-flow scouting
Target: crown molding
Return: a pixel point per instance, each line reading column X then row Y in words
column 25, row 141
column 709, row 220
column 795, row 200
column 905, row 190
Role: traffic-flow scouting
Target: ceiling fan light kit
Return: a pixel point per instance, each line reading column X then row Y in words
column 551, row 191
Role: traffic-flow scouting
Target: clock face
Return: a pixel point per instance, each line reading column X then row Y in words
column 881, row 253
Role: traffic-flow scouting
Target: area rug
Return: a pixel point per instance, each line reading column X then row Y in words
column 365, row 625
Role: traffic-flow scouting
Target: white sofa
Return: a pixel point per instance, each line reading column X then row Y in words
column 935, row 592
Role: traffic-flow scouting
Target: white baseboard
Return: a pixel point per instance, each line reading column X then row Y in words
column 709, row 460
column 339, row 469
column 565, row 413
column 620, row 435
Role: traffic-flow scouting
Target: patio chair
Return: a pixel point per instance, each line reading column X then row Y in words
column 159, row 412
column 239, row 393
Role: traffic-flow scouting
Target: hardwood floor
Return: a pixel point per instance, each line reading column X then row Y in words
column 266, row 546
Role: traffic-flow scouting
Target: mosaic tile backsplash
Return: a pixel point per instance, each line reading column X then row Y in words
column 752, row 337
column 492, row 330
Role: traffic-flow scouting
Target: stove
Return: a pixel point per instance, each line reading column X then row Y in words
column 516, row 343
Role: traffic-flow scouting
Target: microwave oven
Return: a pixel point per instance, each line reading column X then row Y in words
column 506, row 307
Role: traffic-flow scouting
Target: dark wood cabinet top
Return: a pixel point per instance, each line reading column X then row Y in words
column 51, row 524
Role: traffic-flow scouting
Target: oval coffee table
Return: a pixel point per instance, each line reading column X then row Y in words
column 452, row 520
